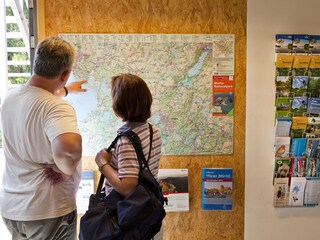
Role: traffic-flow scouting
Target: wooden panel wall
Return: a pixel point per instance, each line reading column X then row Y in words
column 166, row 17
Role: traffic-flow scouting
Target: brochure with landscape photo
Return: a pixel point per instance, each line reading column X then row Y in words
column 174, row 184
column 217, row 188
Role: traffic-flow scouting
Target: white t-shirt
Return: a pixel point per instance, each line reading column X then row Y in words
column 31, row 119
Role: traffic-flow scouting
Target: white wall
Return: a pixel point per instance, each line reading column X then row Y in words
column 265, row 19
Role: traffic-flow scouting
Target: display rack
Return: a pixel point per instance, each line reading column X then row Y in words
column 296, row 177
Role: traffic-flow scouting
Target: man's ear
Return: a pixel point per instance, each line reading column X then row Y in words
column 65, row 75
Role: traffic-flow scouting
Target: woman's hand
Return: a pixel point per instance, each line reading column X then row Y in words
column 103, row 157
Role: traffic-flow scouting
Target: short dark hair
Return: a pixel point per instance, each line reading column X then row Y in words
column 131, row 98
column 53, row 56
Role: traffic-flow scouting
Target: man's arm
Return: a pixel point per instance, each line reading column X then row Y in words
column 67, row 152
column 73, row 87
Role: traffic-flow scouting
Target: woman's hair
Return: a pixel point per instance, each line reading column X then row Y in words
column 131, row 98
column 53, row 56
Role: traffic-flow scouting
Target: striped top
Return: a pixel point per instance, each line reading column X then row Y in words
column 124, row 157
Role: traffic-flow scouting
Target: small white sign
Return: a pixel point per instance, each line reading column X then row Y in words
column 86, row 188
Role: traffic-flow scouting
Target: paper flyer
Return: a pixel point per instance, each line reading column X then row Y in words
column 301, row 61
column 314, row 44
column 314, row 62
column 299, row 106
column 283, row 86
column 86, row 188
column 283, row 43
column 217, row 189
column 284, row 61
column 223, row 56
column 282, row 146
column 299, row 85
column 283, row 126
column 312, row 191
column 222, row 95
column 313, row 127
column 174, row 183
column 297, row 191
column 313, row 106
column 281, row 186
column 283, row 106
column 300, row 43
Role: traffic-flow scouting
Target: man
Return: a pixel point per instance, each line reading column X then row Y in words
column 42, row 147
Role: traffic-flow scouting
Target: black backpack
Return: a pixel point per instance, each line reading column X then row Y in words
column 137, row 216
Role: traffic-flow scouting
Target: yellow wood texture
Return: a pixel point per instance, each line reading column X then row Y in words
column 166, row 17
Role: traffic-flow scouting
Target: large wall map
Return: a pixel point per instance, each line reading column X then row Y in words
column 179, row 71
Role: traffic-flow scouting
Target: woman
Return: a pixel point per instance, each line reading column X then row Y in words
column 131, row 101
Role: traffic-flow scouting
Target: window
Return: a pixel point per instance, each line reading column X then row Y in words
column 14, row 47
column 14, row 58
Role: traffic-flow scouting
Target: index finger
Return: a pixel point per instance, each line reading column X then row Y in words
column 83, row 81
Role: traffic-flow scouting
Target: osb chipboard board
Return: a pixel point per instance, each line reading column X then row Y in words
column 169, row 17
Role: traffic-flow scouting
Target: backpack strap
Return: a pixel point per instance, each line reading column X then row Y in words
column 136, row 142
column 101, row 180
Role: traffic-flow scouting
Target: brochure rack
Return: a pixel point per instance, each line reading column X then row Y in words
column 296, row 177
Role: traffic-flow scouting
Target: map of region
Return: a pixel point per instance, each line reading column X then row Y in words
column 178, row 70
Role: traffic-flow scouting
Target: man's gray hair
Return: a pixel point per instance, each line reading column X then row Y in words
column 53, row 56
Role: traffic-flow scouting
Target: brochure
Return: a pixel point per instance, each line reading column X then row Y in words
column 282, row 168
column 300, row 43
column 283, row 127
column 298, row 166
column 314, row 87
column 298, row 147
column 299, row 126
column 283, row 86
column 174, row 183
column 312, row 167
column 312, row 191
column 282, row 146
column 299, row 106
column 299, row 85
column 313, row 147
column 313, row 127
column 314, row 44
column 217, row 189
column 283, row 43
column 313, row 108
column 281, row 186
column 296, row 194
column 283, row 105
column 222, row 95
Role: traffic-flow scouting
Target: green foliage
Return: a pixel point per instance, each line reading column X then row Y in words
column 17, row 56
column 25, row 10
column 15, row 42
column 19, row 68
column 9, row 11
column 17, row 80
column 12, row 27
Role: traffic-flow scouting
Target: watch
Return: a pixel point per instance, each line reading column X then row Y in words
column 100, row 167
